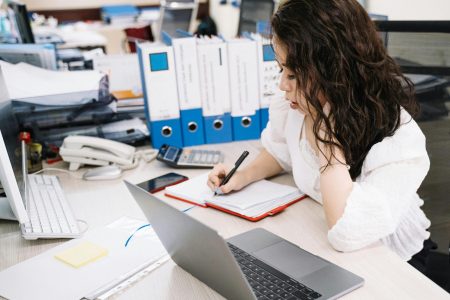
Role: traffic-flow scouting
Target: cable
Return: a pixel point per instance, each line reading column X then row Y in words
column 58, row 170
column 85, row 223
column 147, row 155
column 148, row 225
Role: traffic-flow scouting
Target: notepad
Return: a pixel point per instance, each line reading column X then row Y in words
column 254, row 202
column 81, row 254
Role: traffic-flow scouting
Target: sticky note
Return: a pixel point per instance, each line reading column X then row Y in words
column 81, row 254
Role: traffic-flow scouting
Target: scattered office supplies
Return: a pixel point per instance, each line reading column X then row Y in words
column 247, row 266
column 186, row 64
column 39, row 55
column 254, row 202
column 161, row 182
column 159, row 84
column 119, row 14
column 123, row 74
column 189, row 158
column 81, row 254
column 94, row 279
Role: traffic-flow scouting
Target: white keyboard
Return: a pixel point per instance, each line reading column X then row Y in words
column 48, row 210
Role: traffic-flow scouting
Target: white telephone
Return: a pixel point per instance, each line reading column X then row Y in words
column 80, row 150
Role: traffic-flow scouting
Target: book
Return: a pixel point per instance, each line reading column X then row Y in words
column 254, row 202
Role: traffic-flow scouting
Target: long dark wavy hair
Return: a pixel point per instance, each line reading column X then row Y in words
column 335, row 52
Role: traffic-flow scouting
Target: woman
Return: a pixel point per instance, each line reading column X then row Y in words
column 344, row 128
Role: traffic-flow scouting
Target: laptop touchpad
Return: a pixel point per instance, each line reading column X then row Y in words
column 290, row 259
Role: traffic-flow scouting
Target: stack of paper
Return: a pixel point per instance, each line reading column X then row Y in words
column 256, row 201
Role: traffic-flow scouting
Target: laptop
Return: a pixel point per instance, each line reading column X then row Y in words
column 256, row 264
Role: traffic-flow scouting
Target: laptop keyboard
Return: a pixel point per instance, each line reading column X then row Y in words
column 48, row 209
column 269, row 283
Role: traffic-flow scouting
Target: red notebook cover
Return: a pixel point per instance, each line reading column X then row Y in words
column 253, row 219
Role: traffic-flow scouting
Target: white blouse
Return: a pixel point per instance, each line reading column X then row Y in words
column 383, row 204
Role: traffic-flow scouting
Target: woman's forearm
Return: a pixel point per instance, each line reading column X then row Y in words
column 263, row 166
column 335, row 184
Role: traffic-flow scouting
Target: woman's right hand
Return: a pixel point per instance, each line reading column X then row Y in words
column 218, row 173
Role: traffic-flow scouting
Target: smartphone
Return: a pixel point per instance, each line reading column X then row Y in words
column 159, row 183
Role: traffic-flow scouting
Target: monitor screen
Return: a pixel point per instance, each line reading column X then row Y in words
column 173, row 19
column 19, row 17
column 253, row 12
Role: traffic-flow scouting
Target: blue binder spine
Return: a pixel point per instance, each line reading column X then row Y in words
column 160, row 94
column 244, row 89
column 214, row 89
column 186, row 66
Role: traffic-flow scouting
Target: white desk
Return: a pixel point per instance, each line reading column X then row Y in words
column 100, row 203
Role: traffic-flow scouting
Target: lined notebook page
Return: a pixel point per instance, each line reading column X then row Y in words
column 257, row 197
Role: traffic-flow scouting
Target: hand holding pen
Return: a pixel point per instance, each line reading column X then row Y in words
column 219, row 171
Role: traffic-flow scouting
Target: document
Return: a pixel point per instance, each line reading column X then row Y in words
column 254, row 202
column 28, row 83
column 46, row 277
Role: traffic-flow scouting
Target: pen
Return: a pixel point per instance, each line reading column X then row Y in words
column 236, row 165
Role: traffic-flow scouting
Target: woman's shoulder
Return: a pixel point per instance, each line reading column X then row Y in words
column 408, row 142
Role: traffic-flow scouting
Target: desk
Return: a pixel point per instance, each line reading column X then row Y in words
column 100, row 203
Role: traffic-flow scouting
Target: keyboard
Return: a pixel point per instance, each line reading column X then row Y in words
column 269, row 283
column 49, row 213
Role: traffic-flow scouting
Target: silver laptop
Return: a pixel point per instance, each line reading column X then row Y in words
column 256, row 264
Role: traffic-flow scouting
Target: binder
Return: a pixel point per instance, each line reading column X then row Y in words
column 214, row 89
column 255, row 202
column 244, row 88
column 159, row 85
column 269, row 76
column 186, row 66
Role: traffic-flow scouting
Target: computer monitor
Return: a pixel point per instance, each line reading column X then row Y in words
column 252, row 12
column 21, row 22
column 176, row 15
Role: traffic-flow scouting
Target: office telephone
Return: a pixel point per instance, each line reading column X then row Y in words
column 87, row 150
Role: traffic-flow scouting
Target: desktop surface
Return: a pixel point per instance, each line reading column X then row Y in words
column 385, row 274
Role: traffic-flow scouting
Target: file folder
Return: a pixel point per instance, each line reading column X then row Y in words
column 186, row 66
column 214, row 89
column 244, row 88
column 269, row 76
column 159, row 85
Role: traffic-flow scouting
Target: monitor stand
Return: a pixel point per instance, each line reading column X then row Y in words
column 5, row 210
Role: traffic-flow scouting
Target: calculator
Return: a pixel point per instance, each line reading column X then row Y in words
column 189, row 158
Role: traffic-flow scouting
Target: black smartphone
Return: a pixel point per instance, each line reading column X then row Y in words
column 159, row 183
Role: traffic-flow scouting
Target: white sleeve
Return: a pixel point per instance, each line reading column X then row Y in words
column 392, row 173
column 273, row 136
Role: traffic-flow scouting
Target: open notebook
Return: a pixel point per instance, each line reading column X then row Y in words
column 254, row 202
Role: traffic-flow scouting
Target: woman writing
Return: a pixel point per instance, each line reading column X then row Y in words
column 344, row 129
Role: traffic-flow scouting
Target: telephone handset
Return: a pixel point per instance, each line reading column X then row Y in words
column 80, row 150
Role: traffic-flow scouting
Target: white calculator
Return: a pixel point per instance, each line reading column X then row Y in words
column 189, row 158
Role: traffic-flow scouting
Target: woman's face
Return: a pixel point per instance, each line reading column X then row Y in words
column 288, row 82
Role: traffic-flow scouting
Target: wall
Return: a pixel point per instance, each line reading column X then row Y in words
column 411, row 9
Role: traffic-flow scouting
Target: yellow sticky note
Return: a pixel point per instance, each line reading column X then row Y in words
column 81, row 254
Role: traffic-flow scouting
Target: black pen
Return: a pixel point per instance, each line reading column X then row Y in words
column 236, row 165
